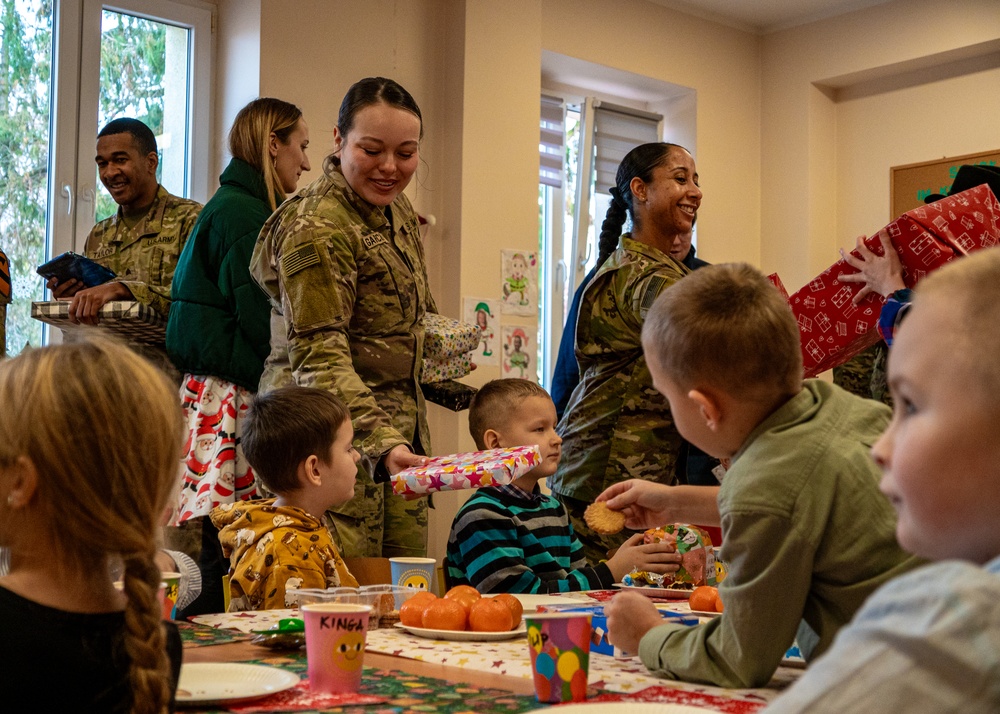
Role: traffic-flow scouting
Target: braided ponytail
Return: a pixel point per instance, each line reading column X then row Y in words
column 106, row 433
column 144, row 638
column 640, row 163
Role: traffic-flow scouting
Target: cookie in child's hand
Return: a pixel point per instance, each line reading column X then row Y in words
column 603, row 520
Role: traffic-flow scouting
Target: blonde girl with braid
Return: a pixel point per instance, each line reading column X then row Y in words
column 89, row 438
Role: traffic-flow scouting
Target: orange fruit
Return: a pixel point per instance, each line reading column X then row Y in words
column 463, row 592
column 411, row 612
column 704, row 598
column 490, row 615
column 516, row 610
column 445, row 614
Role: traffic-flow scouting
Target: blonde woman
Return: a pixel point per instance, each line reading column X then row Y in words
column 84, row 483
column 219, row 328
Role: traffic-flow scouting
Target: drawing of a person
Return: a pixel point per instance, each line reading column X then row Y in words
column 483, row 317
column 516, row 359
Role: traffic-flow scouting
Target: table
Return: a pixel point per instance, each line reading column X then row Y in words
column 497, row 675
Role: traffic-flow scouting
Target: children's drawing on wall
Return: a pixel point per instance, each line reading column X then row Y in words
column 486, row 314
column 520, row 283
column 518, row 353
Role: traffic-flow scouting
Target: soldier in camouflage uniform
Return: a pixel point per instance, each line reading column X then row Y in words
column 142, row 241
column 617, row 426
column 343, row 264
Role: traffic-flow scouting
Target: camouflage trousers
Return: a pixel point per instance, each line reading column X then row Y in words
column 390, row 527
column 865, row 374
column 595, row 545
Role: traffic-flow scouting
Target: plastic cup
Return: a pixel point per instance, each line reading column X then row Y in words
column 559, row 647
column 170, row 585
column 335, row 645
column 415, row 573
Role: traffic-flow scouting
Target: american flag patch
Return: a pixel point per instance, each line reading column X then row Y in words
column 653, row 289
column 299, row 259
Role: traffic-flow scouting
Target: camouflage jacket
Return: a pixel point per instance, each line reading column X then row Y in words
column 348, row 292
column 617, row 426
column 144, row 257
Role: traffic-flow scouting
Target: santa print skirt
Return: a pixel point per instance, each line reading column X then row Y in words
column 214, row 469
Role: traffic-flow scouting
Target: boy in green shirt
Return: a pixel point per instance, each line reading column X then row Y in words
column 807, row 534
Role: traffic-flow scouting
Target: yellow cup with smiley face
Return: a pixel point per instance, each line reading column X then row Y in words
column 335, row 645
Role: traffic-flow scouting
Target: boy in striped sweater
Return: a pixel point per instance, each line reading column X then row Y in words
column 514, row 538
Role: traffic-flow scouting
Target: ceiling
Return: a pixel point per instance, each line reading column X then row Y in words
column 763, row 16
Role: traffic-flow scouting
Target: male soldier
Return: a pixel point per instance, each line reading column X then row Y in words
column 143, row 240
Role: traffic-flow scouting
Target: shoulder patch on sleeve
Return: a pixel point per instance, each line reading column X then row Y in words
column 653, row 289
column 299, row 259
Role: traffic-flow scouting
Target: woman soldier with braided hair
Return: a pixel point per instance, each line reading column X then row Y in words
column 617, row 426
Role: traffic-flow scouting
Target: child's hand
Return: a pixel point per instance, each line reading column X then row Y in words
column 635, row 555
column 882, row 274
column 650, row 505
column 644, row 503
column 630, row 616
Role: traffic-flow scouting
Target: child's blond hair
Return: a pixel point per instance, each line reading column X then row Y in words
column 726, row 326
column 103, row 429
column 493, row 404
column 971, row 289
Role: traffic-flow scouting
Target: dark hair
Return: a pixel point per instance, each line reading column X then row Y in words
column 285, row 427
column 492, row 405
column 725, row 326
column 368, row 91
column 143, row 136
column 640, row 163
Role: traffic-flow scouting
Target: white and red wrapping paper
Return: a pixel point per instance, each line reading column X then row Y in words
column 833, row 329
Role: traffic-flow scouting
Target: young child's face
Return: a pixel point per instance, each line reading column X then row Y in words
column 940, row 456
column 533, row 423
column 341, row 467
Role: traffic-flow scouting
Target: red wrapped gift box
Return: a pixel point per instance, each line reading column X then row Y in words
column 834, row 329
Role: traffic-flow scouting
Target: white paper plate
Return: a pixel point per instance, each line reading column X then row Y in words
column 629, row 708
column 462, row 635
column 210, row 682
column 657, row 592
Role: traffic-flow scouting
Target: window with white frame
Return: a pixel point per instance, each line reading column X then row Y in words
column 79, row 65
column 596, row 137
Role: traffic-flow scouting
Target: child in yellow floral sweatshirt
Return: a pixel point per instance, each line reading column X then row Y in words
column 299, row 442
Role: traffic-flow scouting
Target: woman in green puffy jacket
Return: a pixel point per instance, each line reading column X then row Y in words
column 218, row 332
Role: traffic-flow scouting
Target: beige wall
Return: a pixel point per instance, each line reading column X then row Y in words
column 796, row 130
column 894, row 100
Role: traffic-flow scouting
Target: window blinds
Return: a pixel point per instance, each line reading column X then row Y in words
column 618, row 130
column 550, row 146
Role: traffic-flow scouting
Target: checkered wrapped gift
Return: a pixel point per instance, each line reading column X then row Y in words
column 129, row 319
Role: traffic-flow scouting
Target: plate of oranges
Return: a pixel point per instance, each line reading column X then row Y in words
column 463, row 614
